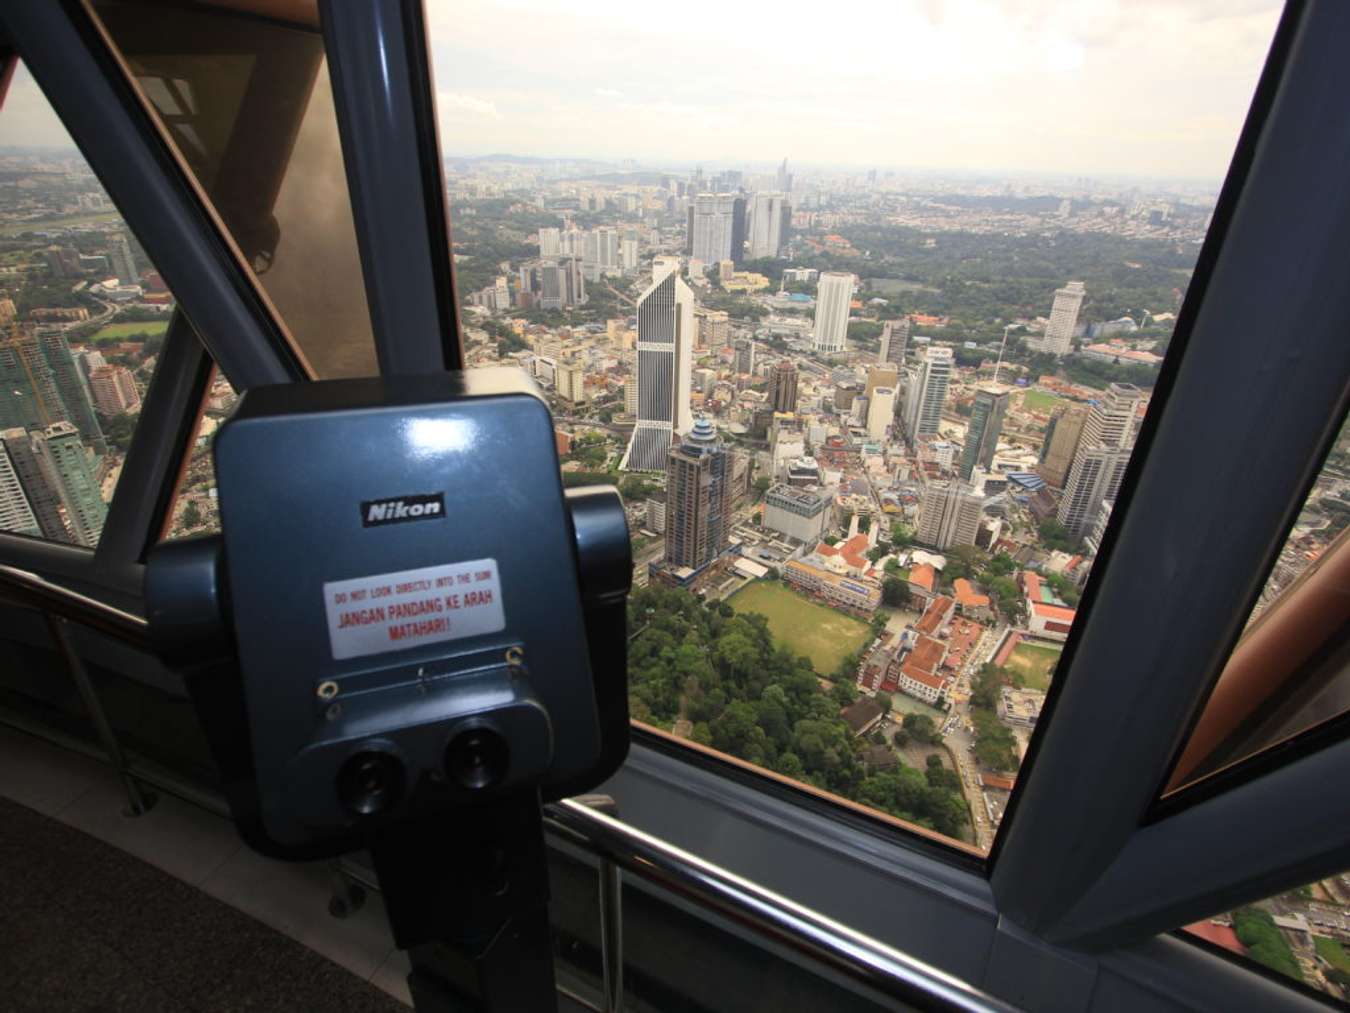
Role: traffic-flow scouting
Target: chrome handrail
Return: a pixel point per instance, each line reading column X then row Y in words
column 867, row 961
column 879, row 967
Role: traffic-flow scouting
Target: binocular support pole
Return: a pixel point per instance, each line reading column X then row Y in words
column 467, row 897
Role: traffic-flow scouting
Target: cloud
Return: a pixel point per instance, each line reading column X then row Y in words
column 460, row 107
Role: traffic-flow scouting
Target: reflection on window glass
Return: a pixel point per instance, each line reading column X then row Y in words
column 869, row 404
column 1290, row 672
column 247, row 101
column 82, row 316
column 1303, row 934
column 195, row 508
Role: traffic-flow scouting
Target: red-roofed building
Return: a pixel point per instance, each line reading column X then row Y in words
column 918, row 676
column 1047, row 616
column 1219, row 935
column 969, row 601
column 936, row 617
column 853, row 552
column 922, row 580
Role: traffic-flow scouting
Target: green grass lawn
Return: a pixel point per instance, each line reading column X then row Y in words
column 1034, row 664
column 116, row 332
column 1332, row 952
column 67, row 222
column 1039, row 401
column 822, row 634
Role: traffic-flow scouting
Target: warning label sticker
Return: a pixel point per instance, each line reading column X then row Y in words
column 395, row 611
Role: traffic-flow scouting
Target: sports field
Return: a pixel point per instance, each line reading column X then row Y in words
column 117, row 332
column 1039, row 401
column 822, row 634
column 1034, row 663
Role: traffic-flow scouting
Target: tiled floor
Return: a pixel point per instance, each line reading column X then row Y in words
column 202, row 850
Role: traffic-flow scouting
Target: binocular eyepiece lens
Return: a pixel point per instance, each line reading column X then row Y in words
column 370, row 782
column 477, row 758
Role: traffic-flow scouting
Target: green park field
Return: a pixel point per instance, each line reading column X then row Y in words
column 1039, row 401
column 118, row 332
column 822, row 634
column 1034, row 663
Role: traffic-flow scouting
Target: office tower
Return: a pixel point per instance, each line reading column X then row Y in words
column 550, row 243
column 28, row 393
column 602, row 248
column 894, row 341
column 783, row 387
column 698, row 494
column 767, row 211
column 569, row 380
column 561, row 284
column 65, row 464
column 784, row 178
column 797, row 513
column 628, row 255
column 926, row 392
column 949, row 514
column 714, row 329
column 1058, row 337
column 982, row 433
column 664, row 265
column 1092, row 541
column 62, row 261
column 717, row 225
column 880, row 376
column 880, row 411
column 1103, row 452
column 16, row 516
column 833, row 295
column 1060, row 444
column 42, row 496
column 665, row 337
column 73, row 390
column 123, row 263
column 114, row 390
column 745, row 355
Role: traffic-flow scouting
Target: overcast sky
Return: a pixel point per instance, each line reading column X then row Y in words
column 1144, row 87
column 1114, row 86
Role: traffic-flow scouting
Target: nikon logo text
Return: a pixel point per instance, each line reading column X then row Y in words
column 398, row 509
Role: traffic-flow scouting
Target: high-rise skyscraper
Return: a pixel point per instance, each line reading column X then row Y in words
column 628, row 254
column 43, row 498
column 949, row 514
column 73, row 389
column 880, row 411
column 784, row 178
column 986, row 423
column 550, row 243
column 769, row 215
column 894, row 341
column 926, row 392
column 123, row 263
column 698, row 498
column 28, row 394
column 1058, row 337
column 65, row 464
column 745, row 355
column 717, row 227
column 1103, row 452
column 783, row 387
column 561, row 284
column 114, row 390
column 834, row 292
column 1060, row 445
column 665, row 338
column 16, row 516
column 880, row 376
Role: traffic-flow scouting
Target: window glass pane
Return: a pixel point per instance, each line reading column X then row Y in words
column 195, row 508
column 82, row 317
column 1290, row 672
column 247, row 102
column 869, row 405
column 1303, row 935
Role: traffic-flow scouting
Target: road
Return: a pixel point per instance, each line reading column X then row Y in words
column 958, row 733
